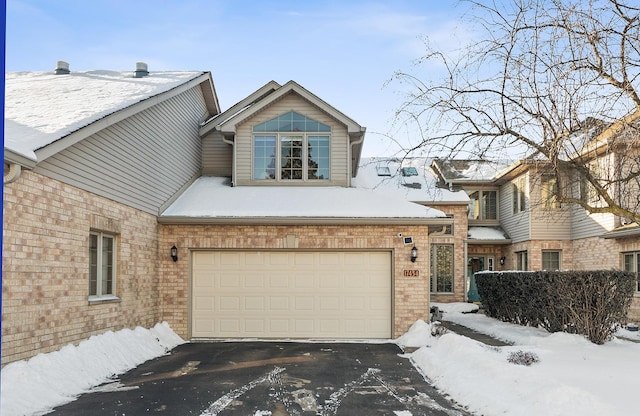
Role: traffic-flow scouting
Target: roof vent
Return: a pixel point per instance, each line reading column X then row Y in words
column 62, row 68
column 413, row 185
column 141, row 70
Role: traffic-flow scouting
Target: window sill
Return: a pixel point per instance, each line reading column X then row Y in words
column 442, row 293
column 97, row 300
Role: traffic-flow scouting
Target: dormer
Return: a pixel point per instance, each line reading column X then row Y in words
column 282, row 136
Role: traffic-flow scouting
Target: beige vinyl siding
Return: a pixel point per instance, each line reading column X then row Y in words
column 339, row 143
column 546, row 223
column 217, row 156
column 141, row 161
column 587, row 225
column 517, row 225
column 584, row 225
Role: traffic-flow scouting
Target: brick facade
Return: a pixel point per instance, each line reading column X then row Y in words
column 595, row 253
column 411, row 294
column 45, row 266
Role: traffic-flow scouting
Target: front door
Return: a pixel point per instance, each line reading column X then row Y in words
column 474, row 265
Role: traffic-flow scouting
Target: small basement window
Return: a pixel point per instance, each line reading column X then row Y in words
column 410, row 171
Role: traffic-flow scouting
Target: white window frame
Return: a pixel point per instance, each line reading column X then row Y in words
column 279, row 138
column 98, row 269
column 558, row 252
column 633, row 266
column 522, row 260
column 481, row 206
column 519, row 195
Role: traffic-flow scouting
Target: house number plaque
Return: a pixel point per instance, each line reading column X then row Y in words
column 412, row 273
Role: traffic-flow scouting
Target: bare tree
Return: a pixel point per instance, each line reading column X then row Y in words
column 555, row 80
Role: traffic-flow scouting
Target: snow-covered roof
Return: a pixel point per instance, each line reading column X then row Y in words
column 224, row 202
column 41, row 107
column 487, row 233
column 461, row 170
column 417, row 183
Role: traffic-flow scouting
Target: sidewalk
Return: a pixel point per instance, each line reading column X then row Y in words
column 470, row 333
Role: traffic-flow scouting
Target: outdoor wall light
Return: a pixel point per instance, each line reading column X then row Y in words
column 174, row 253
column 502, row 259
column 414, row 254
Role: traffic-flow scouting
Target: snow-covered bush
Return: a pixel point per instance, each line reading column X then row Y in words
column 523, row 358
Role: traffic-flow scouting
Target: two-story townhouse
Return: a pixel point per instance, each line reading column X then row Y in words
column 130, row 198
column 540, row 232
column 275, row 239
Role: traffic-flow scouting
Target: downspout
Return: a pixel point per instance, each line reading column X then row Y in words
column 13, row 174
column 354, row 143
column 233, row 161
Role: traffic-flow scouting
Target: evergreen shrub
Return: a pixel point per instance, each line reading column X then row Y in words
column 590, row 303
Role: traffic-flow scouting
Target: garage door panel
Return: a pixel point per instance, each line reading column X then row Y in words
column 278, row 259
column 331, row 281
column 304, row 259
column 291, row 295
column 229, row 280
column 227, row 258
column 255, row 304
column 304, row 304
column 303, row 280
column 278, row 303
column 278, row 280
column 254, row 281
column 230, row 304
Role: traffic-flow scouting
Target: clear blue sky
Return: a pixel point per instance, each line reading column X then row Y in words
column 343, row 51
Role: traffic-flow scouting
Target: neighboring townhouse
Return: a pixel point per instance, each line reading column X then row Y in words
column 533, row 230
column 130, row 198
column 90, row 158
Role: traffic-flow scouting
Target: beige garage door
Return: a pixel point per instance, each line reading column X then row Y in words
column 291, row 294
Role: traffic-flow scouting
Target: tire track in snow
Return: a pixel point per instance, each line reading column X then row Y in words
column 335, row 400
column 224, row 401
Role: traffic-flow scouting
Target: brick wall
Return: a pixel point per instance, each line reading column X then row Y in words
column 583, row 254
column 45, row 266
column 411, row 294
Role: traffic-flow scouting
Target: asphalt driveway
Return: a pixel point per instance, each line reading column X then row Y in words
column 269, row 378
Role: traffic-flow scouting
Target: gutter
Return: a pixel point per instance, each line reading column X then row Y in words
column 231, row 142
column 13, row 174
column 302, row 221
column 356, row 160
column 16, row 162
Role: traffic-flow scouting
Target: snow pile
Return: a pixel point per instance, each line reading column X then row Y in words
column 58, row 377
column 573, row 376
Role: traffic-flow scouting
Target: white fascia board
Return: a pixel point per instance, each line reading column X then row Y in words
column 19, row 159
column 303, row 220
column 69, row 140
column 229, row 125
column 237, row 108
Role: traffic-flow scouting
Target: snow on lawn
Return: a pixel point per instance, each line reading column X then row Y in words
column 572, row 377
column 60, row 376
